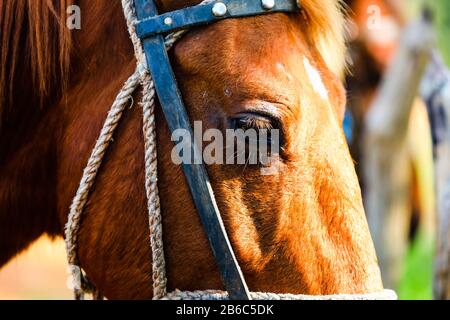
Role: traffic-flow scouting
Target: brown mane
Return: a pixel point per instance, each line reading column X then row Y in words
column 34, row 38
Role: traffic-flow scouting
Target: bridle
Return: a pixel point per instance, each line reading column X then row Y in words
column 150, row 30
column 154, row 72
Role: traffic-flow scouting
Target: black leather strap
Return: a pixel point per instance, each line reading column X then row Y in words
column 204, row 14
column 196, row 175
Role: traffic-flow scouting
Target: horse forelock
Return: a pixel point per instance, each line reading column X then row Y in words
column 35, row 43
column 326, row 23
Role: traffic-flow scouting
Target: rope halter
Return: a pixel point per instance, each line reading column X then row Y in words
column 142, row 77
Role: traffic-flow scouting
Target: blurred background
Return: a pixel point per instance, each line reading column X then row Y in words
column 397, row 126
column 398, row 101
column 38, row 273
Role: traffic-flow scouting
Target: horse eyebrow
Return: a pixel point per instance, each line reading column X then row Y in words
column 265, row 108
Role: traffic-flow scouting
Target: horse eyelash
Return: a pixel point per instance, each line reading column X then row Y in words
column 249, row 122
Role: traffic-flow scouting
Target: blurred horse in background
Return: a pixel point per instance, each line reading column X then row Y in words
column 373, row 45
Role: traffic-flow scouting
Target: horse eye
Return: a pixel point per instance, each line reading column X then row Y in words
column 247, row 121
column 262, row 125
column 260, row 136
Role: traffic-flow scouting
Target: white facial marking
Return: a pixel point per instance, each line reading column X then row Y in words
column 316, row 79
column 283, row 70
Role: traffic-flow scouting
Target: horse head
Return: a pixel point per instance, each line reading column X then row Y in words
column 299, row 228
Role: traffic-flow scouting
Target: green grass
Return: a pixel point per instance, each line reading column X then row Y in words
column 416, row 282
column 442, row 11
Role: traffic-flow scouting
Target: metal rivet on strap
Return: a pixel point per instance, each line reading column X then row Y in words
column 268, row 4
column 219, row 9
column 168, row 21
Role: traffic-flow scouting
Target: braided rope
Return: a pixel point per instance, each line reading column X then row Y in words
column 140, row 77
column 151, row 174
column 143, row 78
column 89, row 175
column 221, row 295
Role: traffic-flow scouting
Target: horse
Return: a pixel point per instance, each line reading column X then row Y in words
column 301, row 231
